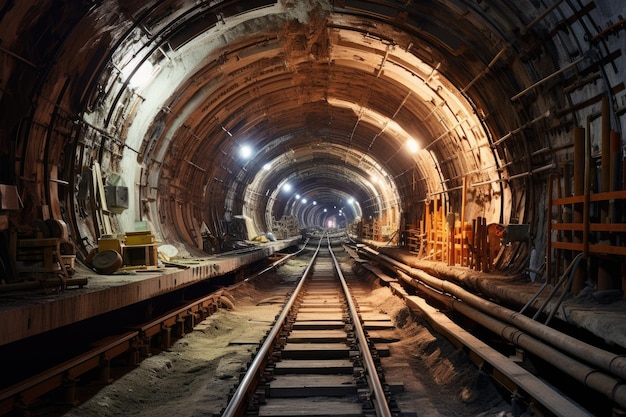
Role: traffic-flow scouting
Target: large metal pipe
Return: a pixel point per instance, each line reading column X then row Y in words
column 607, row 361
column 590, row 377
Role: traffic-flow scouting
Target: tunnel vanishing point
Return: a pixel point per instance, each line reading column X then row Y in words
column 481, row 133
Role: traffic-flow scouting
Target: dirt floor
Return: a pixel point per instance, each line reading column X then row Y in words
column 194, row 377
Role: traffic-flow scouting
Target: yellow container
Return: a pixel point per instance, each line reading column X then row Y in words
column 109, row 244
column 139, row 238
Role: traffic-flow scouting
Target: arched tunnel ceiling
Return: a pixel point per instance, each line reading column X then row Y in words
column 389, row 103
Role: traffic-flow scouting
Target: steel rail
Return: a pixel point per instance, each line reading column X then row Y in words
column 240, row 397
column 278, row 262
column 380, row 400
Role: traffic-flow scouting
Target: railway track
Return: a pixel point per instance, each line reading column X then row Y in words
column 324, row 355
column 318, row 359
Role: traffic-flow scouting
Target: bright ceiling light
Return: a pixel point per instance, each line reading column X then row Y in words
column 304, row 200
column 315, row 203
column 141, row 77
column 412, row 145
column 245, row 151
column 287, row 187
column 267, row 166
column 351, row 200
column 297, row 196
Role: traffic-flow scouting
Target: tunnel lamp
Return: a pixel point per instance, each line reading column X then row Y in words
column 351, row 201
column 297, row 196
column 325, row 210
column 267, row 166
column 245, row 151
column 287, row 187
column 304, row 201
column 412, row 145
column 141, row 77
column 315, row 203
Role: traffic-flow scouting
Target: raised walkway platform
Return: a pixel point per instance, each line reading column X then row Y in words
column 28, row 313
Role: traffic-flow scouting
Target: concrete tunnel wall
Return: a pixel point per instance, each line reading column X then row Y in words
column 370, row 107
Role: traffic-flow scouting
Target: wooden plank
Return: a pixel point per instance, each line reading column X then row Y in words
column 100, row 198
column 316, row 351
column 318, row 325
column 321, row 310
column 321, row 303
column 319, row 316
column 605, row 249
column 378, row 325
column 593, row 227
column 307, row 366
column 317, row 336
column 375, row 317
column 383, row 350
column 312, row 385
column 383, row 336
column 611, row 195
column 310, row 407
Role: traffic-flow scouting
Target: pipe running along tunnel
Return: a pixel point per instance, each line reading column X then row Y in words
column 332, row 112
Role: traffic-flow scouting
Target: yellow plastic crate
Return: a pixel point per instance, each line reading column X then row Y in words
column 141, row 238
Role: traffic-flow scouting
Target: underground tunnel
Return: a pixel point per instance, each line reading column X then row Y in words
column 477, row 140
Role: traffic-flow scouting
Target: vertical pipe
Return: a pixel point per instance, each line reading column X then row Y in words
column 577, row 218
column 463, row 233
column 616, row 184
column 616, row 207
column 486, row 259
column 605, row 278
column 474, row 247
column 549, row 232
column 442, row 234
column 587, row 187
column 606, row 149
column 564, row 216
